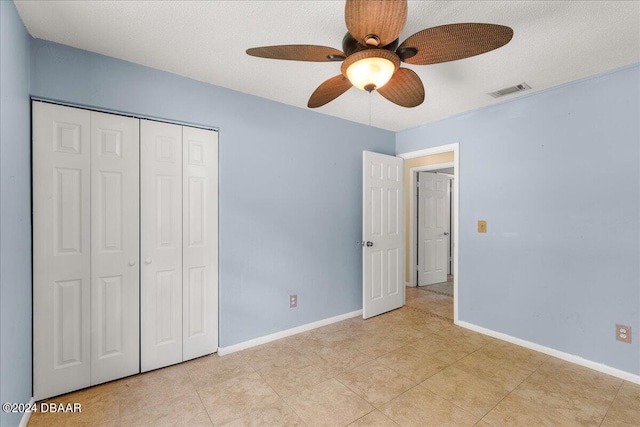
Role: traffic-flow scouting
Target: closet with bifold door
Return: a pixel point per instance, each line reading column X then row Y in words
column 110, row 191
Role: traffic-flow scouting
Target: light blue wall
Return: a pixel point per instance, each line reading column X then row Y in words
column 557, row 177
column 290, row 185
column 15, row 209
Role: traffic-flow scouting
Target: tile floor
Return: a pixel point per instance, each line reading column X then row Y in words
column 409, row 367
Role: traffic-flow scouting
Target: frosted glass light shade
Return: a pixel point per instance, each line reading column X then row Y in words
column 376, row 71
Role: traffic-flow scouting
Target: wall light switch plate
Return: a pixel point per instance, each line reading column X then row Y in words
column 482, row 226
column 623, row 333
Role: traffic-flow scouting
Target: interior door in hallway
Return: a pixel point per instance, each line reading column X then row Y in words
column 433, row 228
column 382, row 234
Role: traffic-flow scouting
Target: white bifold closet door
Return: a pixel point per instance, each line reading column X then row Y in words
column 179, row 225
column 115, row 281
column 85, row 248
column 199, row 242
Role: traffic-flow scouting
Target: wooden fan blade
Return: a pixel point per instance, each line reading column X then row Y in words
column 298, row 52
column 328, row 91
column 383, row 19
column 405, row 89
column 452, row 42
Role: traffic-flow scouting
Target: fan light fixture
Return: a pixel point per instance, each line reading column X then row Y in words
column 370, row 69
column 370, row 73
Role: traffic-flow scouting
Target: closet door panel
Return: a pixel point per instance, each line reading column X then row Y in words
column 61, row 249
column 161, row 244
column 200, row 242
column 115, row 288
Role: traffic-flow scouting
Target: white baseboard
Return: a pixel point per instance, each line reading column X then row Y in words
column 222, row 351
column 26, row 415
column 628, row 376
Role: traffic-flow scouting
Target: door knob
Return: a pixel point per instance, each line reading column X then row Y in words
column 148, row 260
column 369, row 244
column 132, row 263
column 446, row 234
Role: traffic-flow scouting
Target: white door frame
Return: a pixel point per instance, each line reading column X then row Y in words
column 455, row 147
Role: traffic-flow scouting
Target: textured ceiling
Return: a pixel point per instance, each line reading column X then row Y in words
column 555, row 42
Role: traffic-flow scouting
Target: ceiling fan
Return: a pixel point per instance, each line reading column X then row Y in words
column 371, row 55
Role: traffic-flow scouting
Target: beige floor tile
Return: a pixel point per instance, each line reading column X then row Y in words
column 625, row 409
column 484, row 367
column 514, row 355
column 328, row 404
column 573, row 406
column 401, row 330
column 237, row 397
column 401, row 313
column 421, row 303
column 428, row 325
column 278, row 414
column 465, row 390
column 340, row 359
column 464, row 336
column 211, row 370
column 375, row 382
column 186, row 410
column 412, row 363
column 71, row 422
column 446, row 311
column 153, row 388
column 378, row 345
column 99, row 404
column 516, row 410
column 288, row 381
column 568, row 376
column 373, row 419
column 304, row 342
column 276, row 354
column 421, row 407
column 447, row 350
column 577, row 393
column 344, row 338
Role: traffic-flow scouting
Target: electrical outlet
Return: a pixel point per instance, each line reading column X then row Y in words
column 293, row 301
column 623, row 333
column 482, row 226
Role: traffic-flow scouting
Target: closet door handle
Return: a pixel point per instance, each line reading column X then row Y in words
column 148, row 260
column 132, row 263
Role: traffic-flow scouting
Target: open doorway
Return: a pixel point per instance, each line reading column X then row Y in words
column 442, row 162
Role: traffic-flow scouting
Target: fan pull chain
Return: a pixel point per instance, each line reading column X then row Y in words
column 370, row 107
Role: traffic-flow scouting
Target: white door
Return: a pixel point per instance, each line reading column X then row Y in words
column 160, row 244
column 433, row 220
column 382, row 233
column 200, row 242
column 115, row 286
column 61, row 249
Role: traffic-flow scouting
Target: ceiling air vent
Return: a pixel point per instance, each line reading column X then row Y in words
column 509, row 90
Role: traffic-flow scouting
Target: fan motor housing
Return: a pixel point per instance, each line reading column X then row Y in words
column 350, row 45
